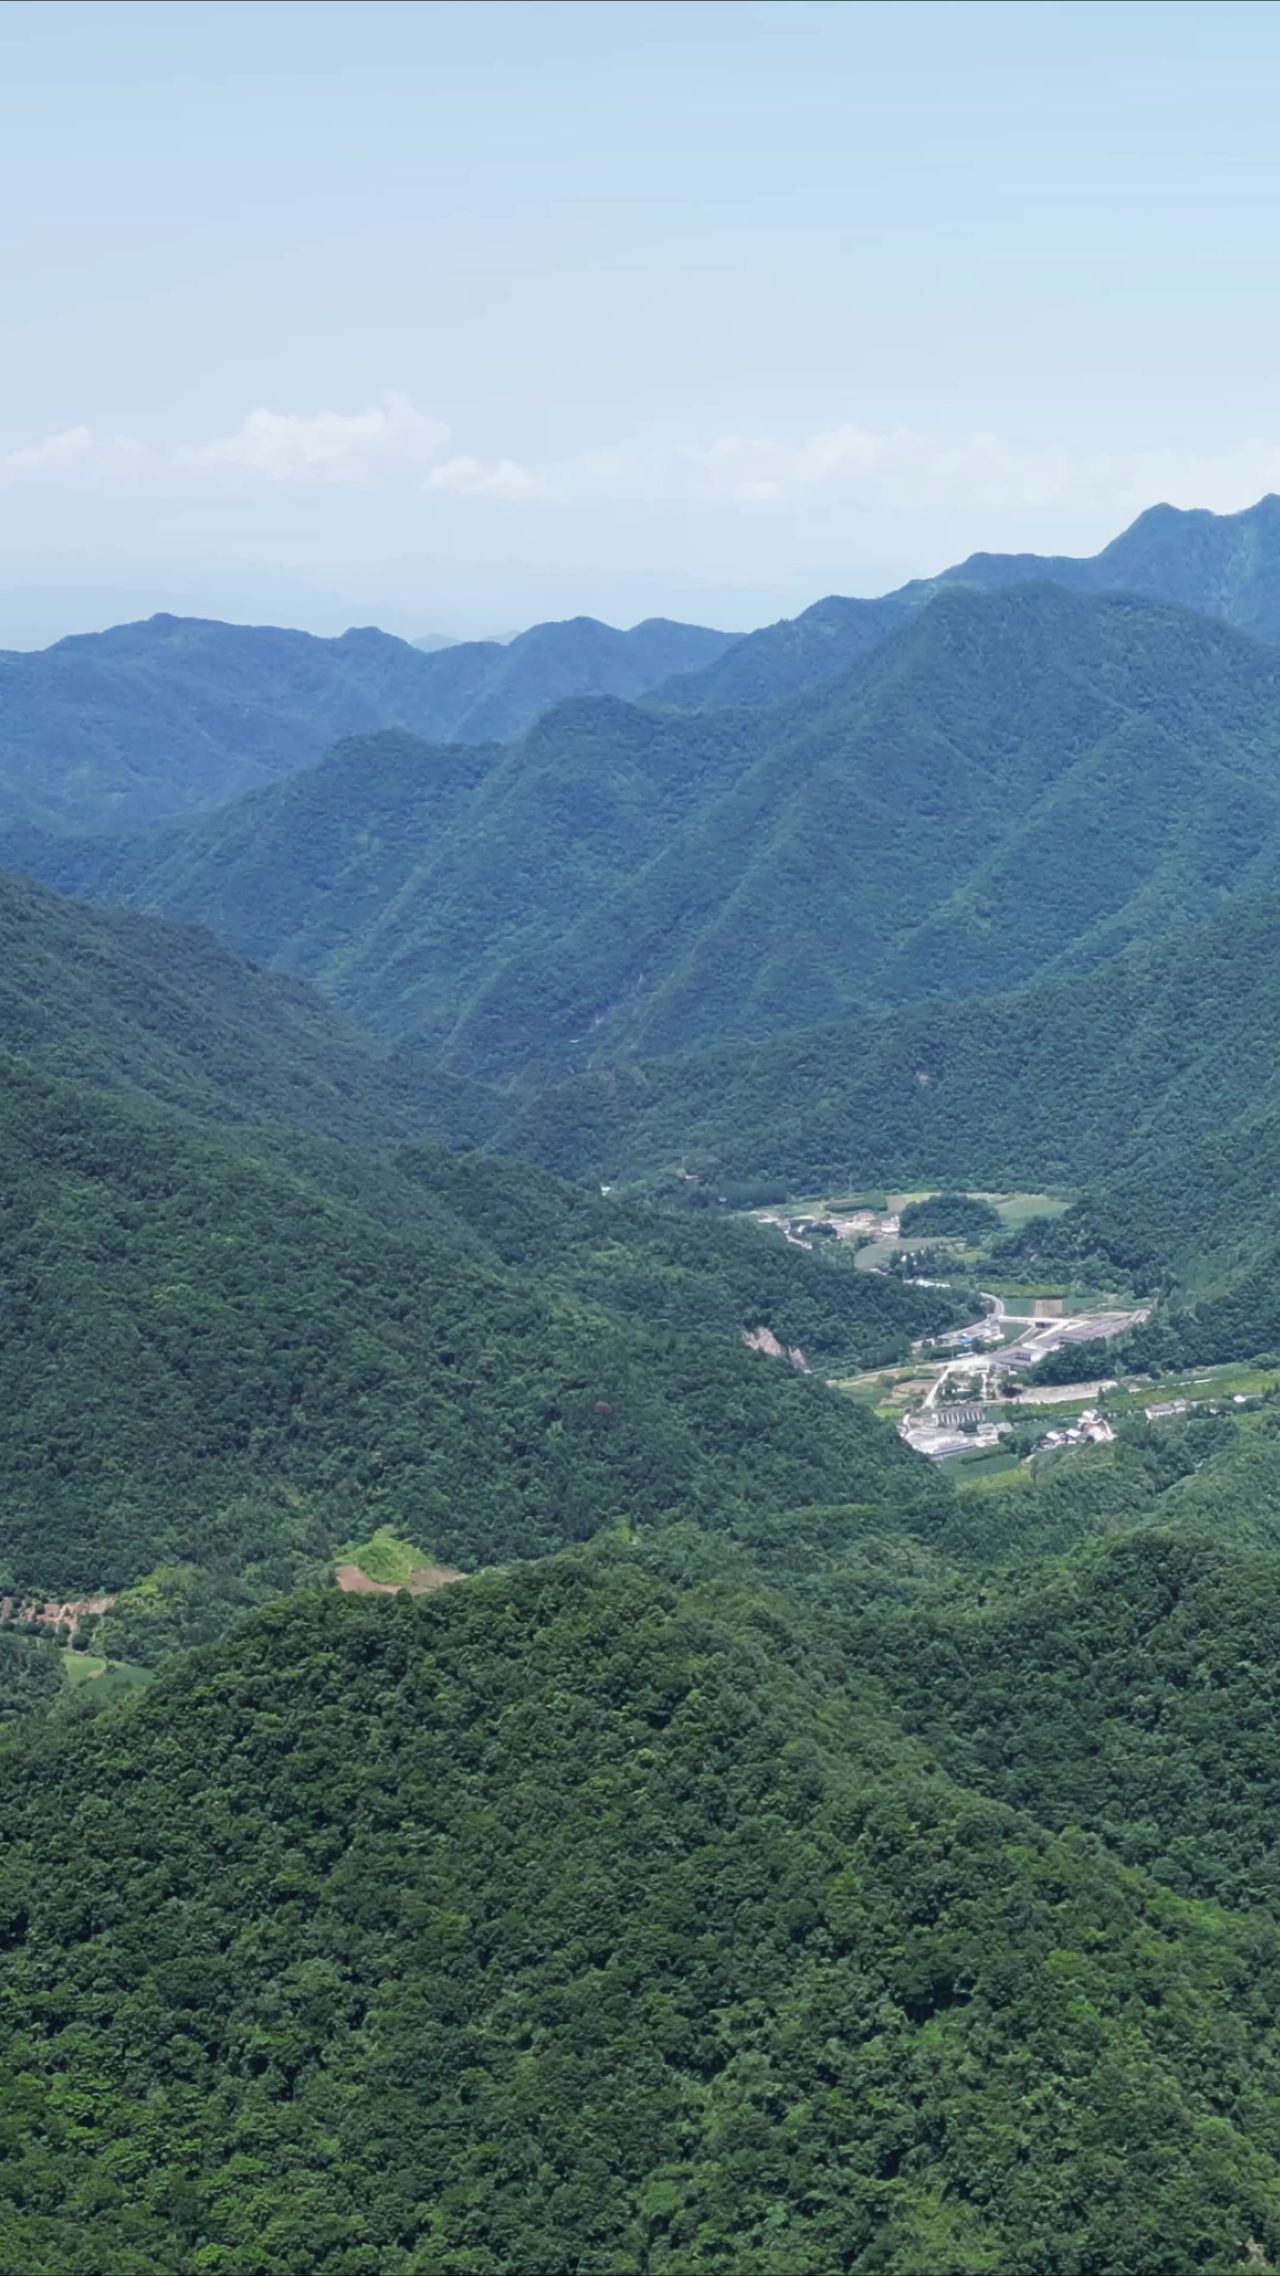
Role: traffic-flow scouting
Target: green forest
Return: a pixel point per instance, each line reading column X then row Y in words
column 583, row 1914
column 511, row 1763
column 629, row 881
column 312, row 1341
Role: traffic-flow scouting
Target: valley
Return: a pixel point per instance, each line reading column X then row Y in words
column 974, row 1399
column 641, row 1471
column 639, row 1139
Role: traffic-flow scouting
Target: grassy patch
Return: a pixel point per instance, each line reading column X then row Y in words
column 974, row 1472
column 876, row 1254
column 1018, row 1209
column 105, row 1679
column 386, row 1557
column 83, row 1667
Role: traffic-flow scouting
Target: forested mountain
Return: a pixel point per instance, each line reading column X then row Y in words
column 402, row 876
column 1064, row 1081
column 765, row 1857
column 1015, row 783
column 568, row 1919
column 220, row 1361
column 106, row 997
column 1222, row 565
column 117, row 730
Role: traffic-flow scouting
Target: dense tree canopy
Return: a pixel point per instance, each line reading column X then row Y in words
column 634, row 881
column 225, row 1361
column 563, row 1923
column 767, row 1854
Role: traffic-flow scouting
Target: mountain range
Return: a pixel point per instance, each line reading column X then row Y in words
column 1013, row 784
column 123, row 729
column 1221, row 565
column 538, row 1780
column 120, row 729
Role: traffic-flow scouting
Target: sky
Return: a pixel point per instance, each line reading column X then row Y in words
column 451, row 318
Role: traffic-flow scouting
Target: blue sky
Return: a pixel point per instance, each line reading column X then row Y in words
column 454, row 317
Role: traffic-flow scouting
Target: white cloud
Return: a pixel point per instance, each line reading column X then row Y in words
column 392, row 436
column 51, row 455
column 74, row 450
column 906, row 470
column 844, row 487
column 471, row 478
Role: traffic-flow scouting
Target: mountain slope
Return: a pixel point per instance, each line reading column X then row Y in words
column 228, row 1346
column 559, row 1921
column 1015, row 783
column 1222, row 565
column 404, row 876
column 230, row 1360
column 1108, row 766
column 106, row 997
column 1061, row 1082
column 121, row 729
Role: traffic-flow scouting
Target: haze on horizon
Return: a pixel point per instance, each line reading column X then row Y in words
column 454, row 317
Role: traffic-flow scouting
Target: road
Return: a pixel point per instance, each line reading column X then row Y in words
column 965, row 1363
column 1083, row 1327
column 1041, row 1337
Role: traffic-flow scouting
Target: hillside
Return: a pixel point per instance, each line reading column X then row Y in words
column 628, row 884
column 702, row 1273
column 1063, row 1081
column 118, row 730
column 734, row 1975
column 1106, row 765
column 403, row 876
column 222, row 1363
column 1197, row 1223
column 1222, row 565
column 158, row 1010
column 230, row 1341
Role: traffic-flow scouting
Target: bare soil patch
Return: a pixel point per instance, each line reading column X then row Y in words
column 66, row 1617
column 421, row 1580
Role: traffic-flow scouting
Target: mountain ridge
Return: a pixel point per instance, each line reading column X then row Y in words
column 628, row 882
column 1225, row 565
column 129, row 727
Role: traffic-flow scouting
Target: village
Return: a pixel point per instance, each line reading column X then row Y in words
column 965, row 1393
column 965, row 1400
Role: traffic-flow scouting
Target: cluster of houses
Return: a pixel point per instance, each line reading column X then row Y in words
column 1090, row 1429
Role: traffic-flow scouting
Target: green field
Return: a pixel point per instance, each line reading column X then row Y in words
column 386, row 1556
column 875, row 1255
column 105, row 1679
column 1018, row 1209
column 971, row 1472
column 1014, row 1210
